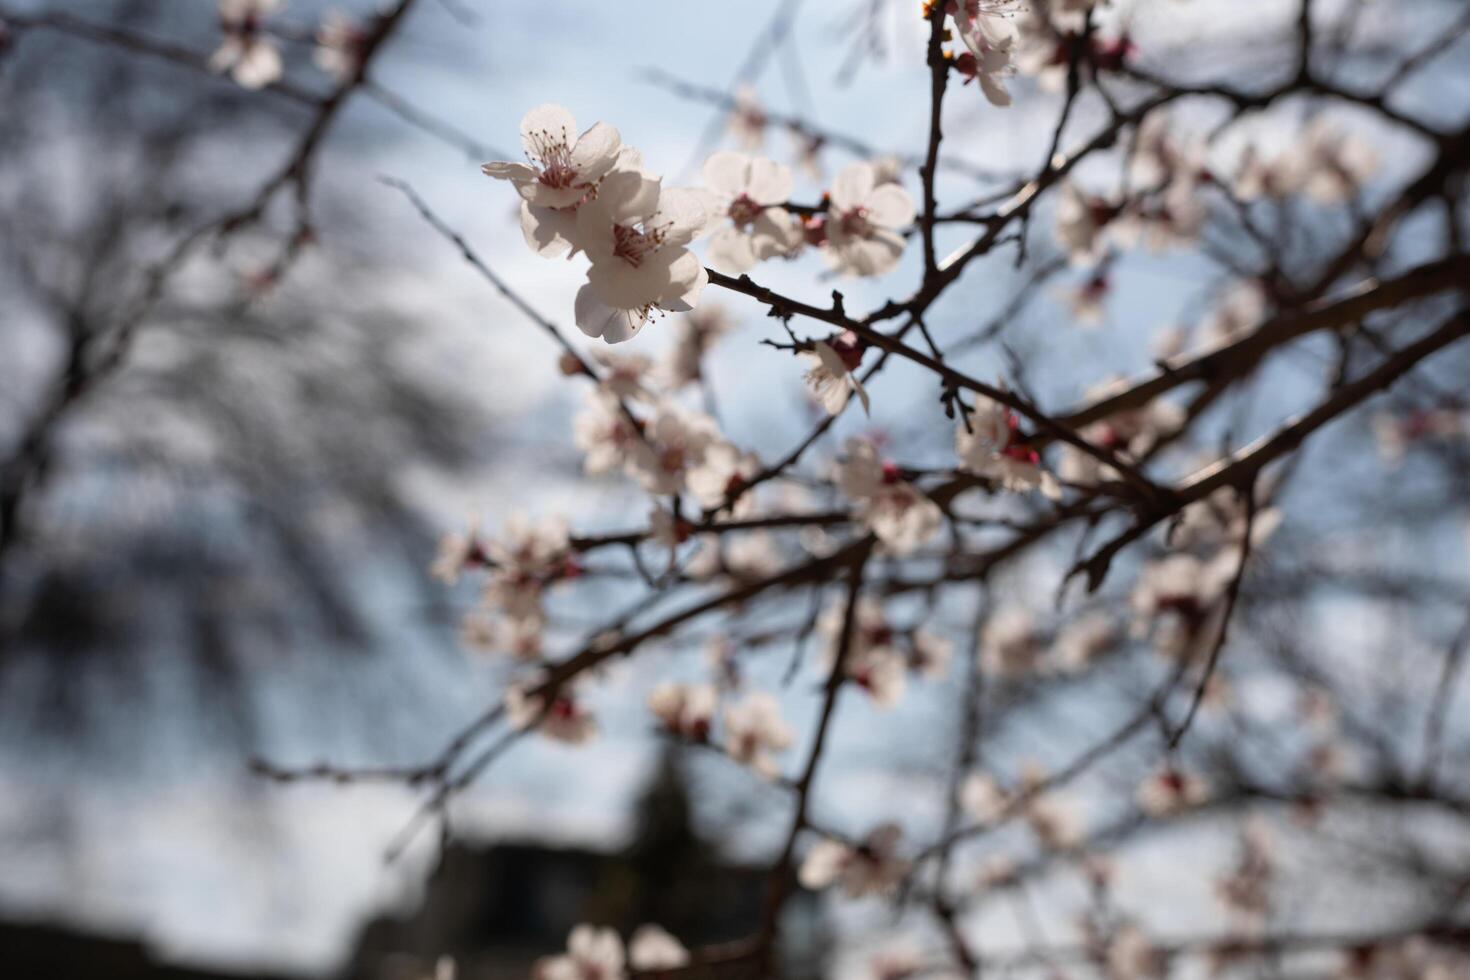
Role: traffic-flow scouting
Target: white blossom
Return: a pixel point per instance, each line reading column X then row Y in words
column 1177, row 599
column 666, row 529
column 1131, row 956
column 986, row 29
column 674, row 444
column 1087, row 300
column 565, row 719
column 1129, row 434
column 1009, row 645
column 873, row 867
column 635, row 241
column 831, row 378
column 891, row 507
column 1169, row 789
column 1394, row 433
column 653, row 948
column 339, row 46
column 874, row 661
column 754, row 729
column 930, row 654
column 1080, row 642
column 1054, row 821
column 605, row 433
column 747, row 121
column 1246, row 890
column 592, row 954
column 626, row 375
column 247, row 52
column 457, row 550
column 722, row 476
column 524, row 560
column 1238, row 312
column 1337, row 163
column 694, row 334
column 1081, row 220
column 988, row 444
column 517, row 637
column 686, row 710
column 983, row 798
column 863, row 222
column 744, row 195
column 563, row 167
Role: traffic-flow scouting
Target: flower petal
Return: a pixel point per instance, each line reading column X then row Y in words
column 995, row 90
column 770, row 182
column 542, row 195
column 731, row 251
column 871, row 256
column 596, row 151
column 727, row 172
column 890, row 205
column 504, row 170
column 629, row 196
column 624, row 326
column 681, row 215
column 260, row 65
column 548, row 231
column 687, row 279
column 862, row 394
column 596, row 319
column 775, row 232
column 549, row 121
column 628, row 287
column 852, row 186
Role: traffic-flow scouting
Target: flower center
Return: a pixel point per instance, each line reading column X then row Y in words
column 1014, row 448
column 552, row 155
column 672, row 459
column 743, row 211
column 633, row 245
column 855, row 222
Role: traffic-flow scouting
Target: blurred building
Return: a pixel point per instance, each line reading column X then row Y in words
column 497, row 908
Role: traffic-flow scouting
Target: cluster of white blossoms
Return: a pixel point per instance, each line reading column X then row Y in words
column 989, row 444
column 753, row 727
column 1129, row 434
column 564, row 718
column 1166, row 201
column 880, row 656
column 895, row 510
column 1396, row 432
column 1038, row 38
column 598, row 954
column 253, row 58
column 589, row 194
column 1051, row 816
column 1169, row 790
column 1325, row 163
column 633, row 424
column 1180, row 598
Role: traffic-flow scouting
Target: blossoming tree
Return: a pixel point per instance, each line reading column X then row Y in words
column 1143, row 559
